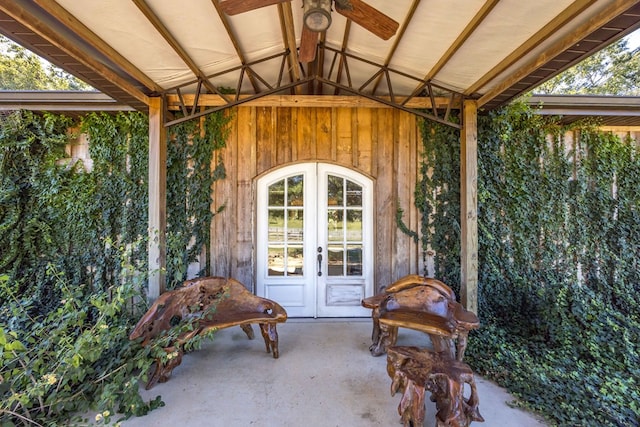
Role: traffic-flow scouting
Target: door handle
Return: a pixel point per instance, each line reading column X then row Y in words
column 319, row 260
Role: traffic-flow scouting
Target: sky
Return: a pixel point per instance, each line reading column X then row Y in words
column 633, row 40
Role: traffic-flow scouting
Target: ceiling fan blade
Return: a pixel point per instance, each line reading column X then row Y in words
column 308, row 44
column 234, row 7
column 369, row 18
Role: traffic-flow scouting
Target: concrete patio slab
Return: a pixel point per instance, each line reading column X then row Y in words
column 324, row 377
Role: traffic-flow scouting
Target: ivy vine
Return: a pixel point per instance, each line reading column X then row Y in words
column 559, row 244
column 194, row 164
column 73, row 262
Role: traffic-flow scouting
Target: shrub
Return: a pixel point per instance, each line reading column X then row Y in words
column 76, row 358
column 559, row 239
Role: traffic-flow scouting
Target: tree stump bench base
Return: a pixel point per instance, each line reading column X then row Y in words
column 215, row 303
column 415, row 370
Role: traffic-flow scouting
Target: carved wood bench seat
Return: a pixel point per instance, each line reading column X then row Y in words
column 414, row 370
column 213, row 303
column 422, row 304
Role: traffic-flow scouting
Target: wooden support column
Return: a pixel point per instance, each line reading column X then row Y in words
column 157, row 198
column 469, row 206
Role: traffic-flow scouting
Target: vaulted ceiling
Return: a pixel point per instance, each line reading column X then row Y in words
column 408, row 53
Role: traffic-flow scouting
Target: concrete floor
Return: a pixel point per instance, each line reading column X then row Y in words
column 324, row 377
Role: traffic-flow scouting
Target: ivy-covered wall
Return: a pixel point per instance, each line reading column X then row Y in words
column 559, row 243
column 559, row 234
column 194, row 164
column 55, row 214
column 73, row 257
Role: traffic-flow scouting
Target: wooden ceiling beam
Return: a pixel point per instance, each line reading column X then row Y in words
column 235, row 42
column 321, row 57
column 289, row 39
column 171, row 40
column 71, row 22
column 342, row 65
column 396, row 42
column 613, row 10
column 23, row 15
column 573, row 10
column 310, row 101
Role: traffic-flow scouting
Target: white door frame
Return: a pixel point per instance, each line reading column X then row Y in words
column 305, row 296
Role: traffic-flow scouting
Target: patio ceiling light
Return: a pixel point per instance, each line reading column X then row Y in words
column 317, row 15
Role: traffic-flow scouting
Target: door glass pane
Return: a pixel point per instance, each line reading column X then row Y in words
column 335, row 225
column 294, row 261
column 335, row 261
column 354, row 225
column 354, row 260
column 295, row 190
column 275, row 260
column 295, row 222
column 335, row 191
column 354, row 194
column 276, row 225
column 344, row 227
column 276, row 194
column 285, row 236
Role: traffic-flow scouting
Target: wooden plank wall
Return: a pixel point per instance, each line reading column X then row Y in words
column 379, row 142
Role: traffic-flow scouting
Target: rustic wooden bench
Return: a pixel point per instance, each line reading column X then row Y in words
column 422, row 304
column 211, row 303
column 414, row 370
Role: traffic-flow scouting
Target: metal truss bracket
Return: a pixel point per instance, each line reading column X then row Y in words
column 427, row 100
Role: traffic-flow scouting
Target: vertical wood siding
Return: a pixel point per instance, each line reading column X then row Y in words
column 379, row 142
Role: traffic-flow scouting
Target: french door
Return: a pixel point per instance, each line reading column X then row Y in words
column 314, row 251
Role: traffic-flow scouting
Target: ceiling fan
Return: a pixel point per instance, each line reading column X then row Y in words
column 317, row 18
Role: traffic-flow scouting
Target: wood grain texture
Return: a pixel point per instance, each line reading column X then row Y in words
column 369, row 140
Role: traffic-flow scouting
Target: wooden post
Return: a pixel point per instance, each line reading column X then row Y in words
column 157, row 198
column 469, row 206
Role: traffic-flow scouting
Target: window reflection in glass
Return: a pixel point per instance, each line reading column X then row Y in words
column 275, row 260
column 295, row 190
column 335, row 260
column 335, row 224
column 354, row 194
column 335, row 191
column 344, row 227
column 276, row 225
column 354, row 260
column 354, row 225
column 295, row 260
column 276, row 194
column 286, row 227
column 295, row 223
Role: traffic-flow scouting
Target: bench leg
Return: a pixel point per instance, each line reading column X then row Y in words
column 248, row 329
column 388, row 335
column 162, row 371
column 443, row 345
column 411, row 407
column 270, row 335
column 375, row 332
column 453, row 409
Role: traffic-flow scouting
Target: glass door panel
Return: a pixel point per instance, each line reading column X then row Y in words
column 286, row 227
column 314, row 251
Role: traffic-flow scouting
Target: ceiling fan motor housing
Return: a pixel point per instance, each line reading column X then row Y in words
column 317, row 14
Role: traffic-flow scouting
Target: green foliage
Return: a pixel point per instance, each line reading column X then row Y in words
column 30, row 146
column 74, row 253
column 611, row 71
column 23, row 70
column 193, row 166
column 75, row 358
column 559, row 237
column 438, row 199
